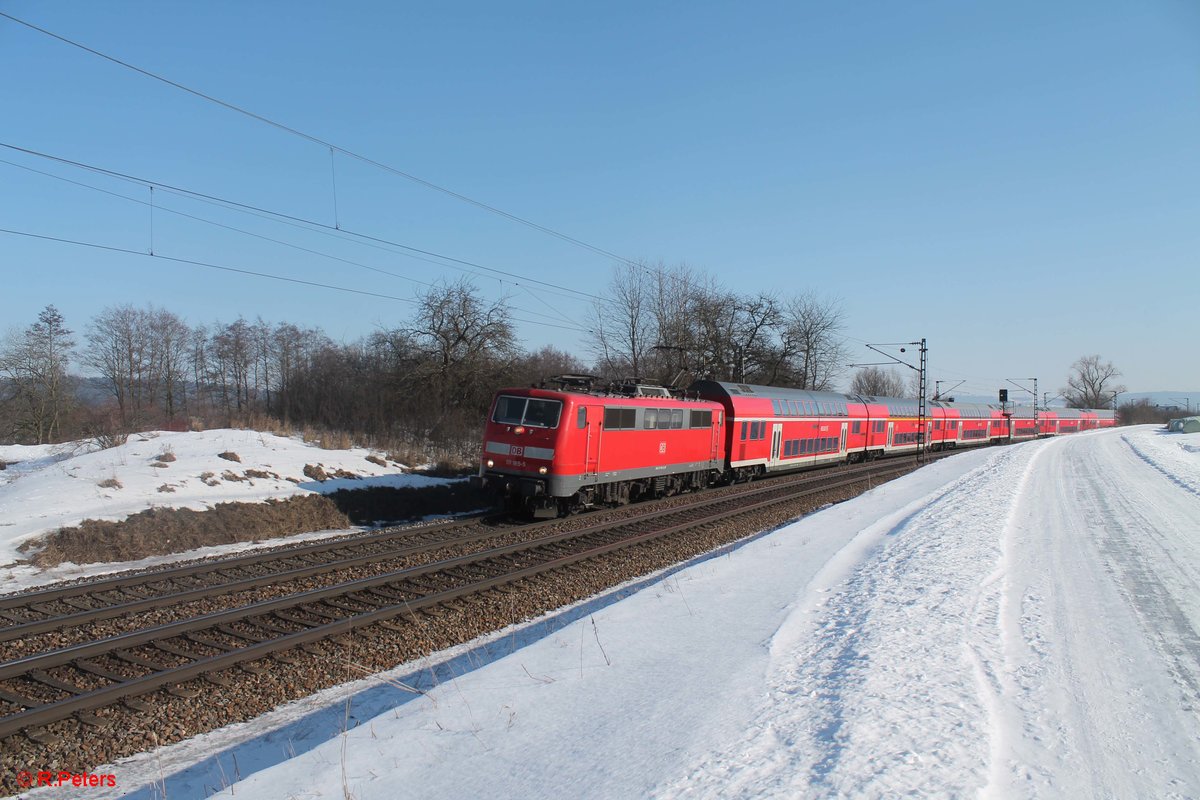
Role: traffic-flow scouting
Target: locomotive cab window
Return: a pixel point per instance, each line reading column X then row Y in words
column 581, row 418
column 527, row 411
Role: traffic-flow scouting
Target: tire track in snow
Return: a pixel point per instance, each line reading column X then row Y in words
column 995, row 634
column 1099, row 650
column 872, row 691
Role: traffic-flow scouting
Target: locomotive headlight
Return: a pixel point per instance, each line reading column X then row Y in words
column 519, row 429
column 490, row 463
column 542, row 470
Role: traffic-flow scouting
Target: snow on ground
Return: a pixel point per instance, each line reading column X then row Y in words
column 48, row 487
column 1017, row 622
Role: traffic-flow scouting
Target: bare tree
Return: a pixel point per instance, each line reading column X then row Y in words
column 877, row 382
column 467, row 346
column 118, row 344
column 675, row 351
column 624, row 322
column 169, row 337
column 1091, row 383
column 34, row 364
column 232, row 359
column 697, row 326
column 812, row 329
column 544, row 363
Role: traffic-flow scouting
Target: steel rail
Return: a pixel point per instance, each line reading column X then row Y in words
column 19, row 630
column 124, row 581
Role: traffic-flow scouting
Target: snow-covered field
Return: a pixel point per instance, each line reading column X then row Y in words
column 48, row 487
column 1017, row 622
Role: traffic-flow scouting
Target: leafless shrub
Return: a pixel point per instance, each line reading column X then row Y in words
column 110, row 483
column 109, row 439
column 230, row 475
column 329, row 440
column 167, row 456
column 316, row 472
column 166, row 488
column 229, row 455
column 209, row 479
column 258, row 473
column 446, row 469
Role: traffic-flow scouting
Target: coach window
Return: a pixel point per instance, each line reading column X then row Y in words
column 650, row 420
column 676, row 418
column 743, row 430
column 581, row 418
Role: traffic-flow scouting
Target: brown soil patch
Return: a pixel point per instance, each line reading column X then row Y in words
column 159, row 531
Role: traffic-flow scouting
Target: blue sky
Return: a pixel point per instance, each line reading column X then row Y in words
column 1015, row 181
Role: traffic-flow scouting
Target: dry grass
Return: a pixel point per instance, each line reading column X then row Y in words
column 229, row 455
column 160, row 531
column 110, row 483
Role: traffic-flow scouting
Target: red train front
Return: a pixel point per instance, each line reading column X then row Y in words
column 553, row 451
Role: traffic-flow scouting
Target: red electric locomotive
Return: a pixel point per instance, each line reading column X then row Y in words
column 553, row 451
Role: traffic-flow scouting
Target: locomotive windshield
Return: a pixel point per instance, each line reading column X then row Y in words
column 527, row 411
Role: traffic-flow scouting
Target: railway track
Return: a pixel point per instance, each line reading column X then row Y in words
column 78, row 679
column 81, row 603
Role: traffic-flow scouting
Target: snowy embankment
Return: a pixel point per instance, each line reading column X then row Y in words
column 1007, row 623
column 47, row 487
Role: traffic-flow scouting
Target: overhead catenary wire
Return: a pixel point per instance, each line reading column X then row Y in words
column 238, row 270
column 263, row 237
column 328, row 144
column 284, row 217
